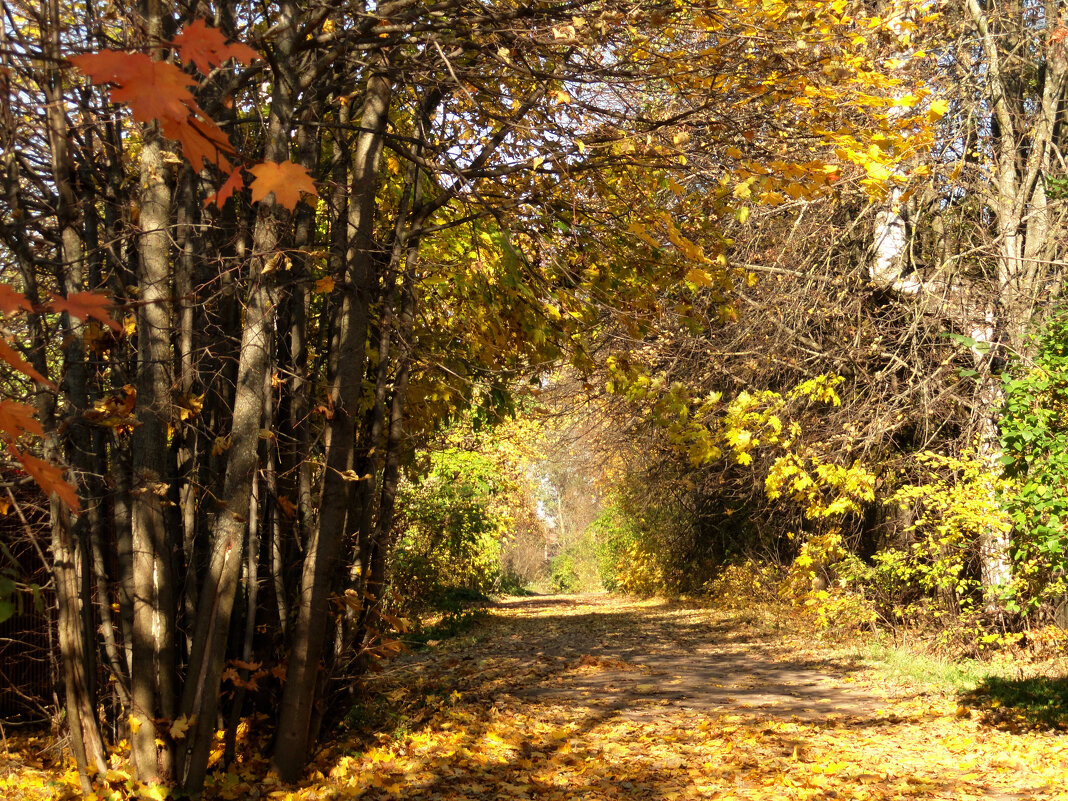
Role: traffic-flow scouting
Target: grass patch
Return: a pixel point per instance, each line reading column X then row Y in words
column 448, row 626
column 905, row 666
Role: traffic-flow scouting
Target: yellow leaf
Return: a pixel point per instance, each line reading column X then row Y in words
column 135, row 724
column 937, row 110
column 324, row 285
column 181, row 725
column 699, row 278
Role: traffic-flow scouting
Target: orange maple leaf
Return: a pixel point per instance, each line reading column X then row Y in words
column 11, row 356
column 201, row 140
column 84, row 305
column 285, row 179
column 223, row 193
column 17, row 418
column 107, row 66
column 154, row 90
column 11, row 301
column 205, row 47
column 48, row 477
column 157, row 90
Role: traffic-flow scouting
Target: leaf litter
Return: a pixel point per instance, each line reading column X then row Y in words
column 607, row 698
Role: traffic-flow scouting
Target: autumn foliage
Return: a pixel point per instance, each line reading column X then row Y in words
column 275, row 276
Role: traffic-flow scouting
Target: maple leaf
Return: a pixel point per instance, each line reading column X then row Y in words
column 205, row 47
column 12, row 357
column 289, row 509
column 201, row 139
column 154, row 90
column 17, row 418
column 223, row 193
column 158, row 90
column 49, row 478
column 84, row 305
column 106, row 66
column 285, row 179
column 180, row 725
column 12, row 301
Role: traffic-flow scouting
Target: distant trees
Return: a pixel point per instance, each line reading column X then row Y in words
column 923, row 300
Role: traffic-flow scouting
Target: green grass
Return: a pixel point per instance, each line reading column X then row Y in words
column 1002, row 696
column 905, row 666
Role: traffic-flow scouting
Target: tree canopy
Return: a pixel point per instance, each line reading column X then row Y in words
column 276, row 277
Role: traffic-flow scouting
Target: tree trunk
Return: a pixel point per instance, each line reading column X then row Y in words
column 320, row 561
column 200, row 699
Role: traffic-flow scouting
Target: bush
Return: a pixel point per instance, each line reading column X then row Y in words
column 454, row 522
column 1034, row 441
column 577, row 568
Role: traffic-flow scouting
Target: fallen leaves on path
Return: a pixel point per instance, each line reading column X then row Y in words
column 556, row 699
column 505, row 722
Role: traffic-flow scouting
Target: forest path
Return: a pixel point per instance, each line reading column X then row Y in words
column 596, row 697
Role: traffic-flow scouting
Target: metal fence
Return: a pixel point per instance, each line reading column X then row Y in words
column 28, row 669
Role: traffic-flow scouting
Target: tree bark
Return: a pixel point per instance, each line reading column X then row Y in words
column 200, row 699
column 320, row 561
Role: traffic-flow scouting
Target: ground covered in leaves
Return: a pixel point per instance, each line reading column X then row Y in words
column 554, row 698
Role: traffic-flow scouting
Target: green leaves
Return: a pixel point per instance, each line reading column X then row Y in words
column 1034, row 440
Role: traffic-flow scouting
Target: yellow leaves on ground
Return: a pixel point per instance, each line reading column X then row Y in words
column 563, row 698
column 503, row 732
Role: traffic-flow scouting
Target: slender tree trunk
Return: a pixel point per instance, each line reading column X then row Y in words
column 200, row 700
column 320, row 561
column 153, row 675
column 69, row 545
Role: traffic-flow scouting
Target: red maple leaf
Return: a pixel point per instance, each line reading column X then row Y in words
column 48, row 477
column 12, row 357
column 17, row 418
column 11, row 301
column 205, row 47
column 156, row 90
column 223, row 193
column 84, row 305
column 285, row 179
column 107, row 66
column 202, row 141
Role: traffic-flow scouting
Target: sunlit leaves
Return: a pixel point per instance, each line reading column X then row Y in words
column 286, row 180
column 206, row 47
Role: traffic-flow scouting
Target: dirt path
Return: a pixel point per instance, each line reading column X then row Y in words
column 560, row 698
column 666, row 659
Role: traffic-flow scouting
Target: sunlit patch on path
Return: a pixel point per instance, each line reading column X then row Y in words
column 600, row 698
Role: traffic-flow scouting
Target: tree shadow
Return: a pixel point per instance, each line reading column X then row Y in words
column 563, row 705
column 1040, row 702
